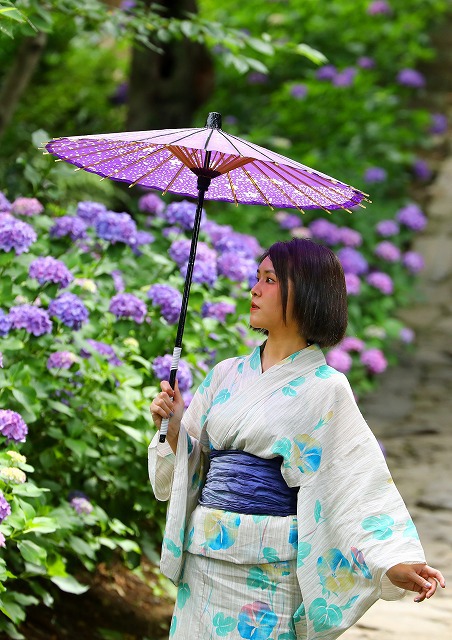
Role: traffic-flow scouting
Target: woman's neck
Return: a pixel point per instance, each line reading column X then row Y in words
column 279, row 348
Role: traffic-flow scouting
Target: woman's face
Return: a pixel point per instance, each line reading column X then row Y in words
column 266, row 306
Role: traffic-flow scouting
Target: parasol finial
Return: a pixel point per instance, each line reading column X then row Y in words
column 213, row 120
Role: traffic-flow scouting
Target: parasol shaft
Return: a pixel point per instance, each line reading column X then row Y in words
column 203, row 185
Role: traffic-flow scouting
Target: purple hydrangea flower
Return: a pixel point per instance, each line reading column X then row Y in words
column 162, row 365
column 345, row 77
column 26, row 207
column 5, row 324
column 5, row 508
column 205, row 269
column 49, row 269
column 141, row 238
column 352, row 284
column 339, row 360
column 379, row 7
column 236, row 267
column 256, row 77
column 217, row 310
column 387, row 251
column 171, row 232
column 239, row 243
column 421, row 170
column 412, row 217
column 299, row 91
column 406, row 335
column 351, row 343
column 438, row 124
column 81, row 505
column 326, row 231
column 89, row 211
column 61, row 360
column 180, row 250
column 350, row 237
column 116, row 227
column 327, row 72
column 366, row 63
column 187, row 397
column 411, row 78
column 290, row 221
column 183, row 214
column 5, row 204
column 70, row 309
column 387, row 228
column 151, row 203
column 374, row 360
column 413, row 261
column 168, row 299
column 204, row 272
column 71, row 226
column 15, row 234
column 118, row 281
column 375, row 174
column 33, row 319
column 352, row 261
column 126, row 305
column 216, row 231
column 12, row 425
column 381, row 281
column 104, row 349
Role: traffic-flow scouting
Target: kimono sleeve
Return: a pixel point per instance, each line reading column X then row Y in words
column 162, row 460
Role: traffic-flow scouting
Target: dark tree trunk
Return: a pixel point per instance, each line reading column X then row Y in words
column 19, row 76
column 166, row 89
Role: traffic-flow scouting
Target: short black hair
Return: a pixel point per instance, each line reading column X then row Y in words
column 320, row 294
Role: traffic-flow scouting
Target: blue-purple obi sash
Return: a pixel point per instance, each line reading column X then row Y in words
column 243, row 483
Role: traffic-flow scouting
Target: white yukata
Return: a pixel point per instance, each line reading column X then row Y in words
column 303, row 577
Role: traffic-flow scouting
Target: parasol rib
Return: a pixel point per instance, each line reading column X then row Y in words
column 253, row 181
column 274, row 183
column 151, row 171
column 232, row 189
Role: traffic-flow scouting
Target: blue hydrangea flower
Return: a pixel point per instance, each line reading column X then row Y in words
column 5, row 508
column 204, row 271
column 381, row 281
column 116, row 227
column 5, row 324
column 168, row 299
column 49, row 269
column 387, row 251
column 126, row 305
column 217, row 310
column 151, row 203
column 104, row 349
column 387, row 228
column 183, row 214
column 71, row 226
column 5, row 204
column 236, row 267
column 61, row 360
column 70, row 309
column 352, row 261
column 375, row 174
column 412, row 217
column 15, row 234
column 33, row 319
column 12, row 425
column 89, row 211
column 413, row 261
column 411, row 78
column 118, row 281
column 325, row 231
column 162, row 366
column 81, row 505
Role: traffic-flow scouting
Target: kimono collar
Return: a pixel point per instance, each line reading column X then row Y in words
column 304, row 360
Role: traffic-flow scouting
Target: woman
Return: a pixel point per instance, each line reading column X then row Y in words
column 283, row 520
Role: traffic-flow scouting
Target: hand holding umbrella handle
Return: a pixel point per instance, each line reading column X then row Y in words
column 174, row 366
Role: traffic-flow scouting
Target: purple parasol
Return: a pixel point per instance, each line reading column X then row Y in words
column 204, row 163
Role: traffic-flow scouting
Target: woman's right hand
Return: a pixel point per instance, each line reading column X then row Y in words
column 168, row 404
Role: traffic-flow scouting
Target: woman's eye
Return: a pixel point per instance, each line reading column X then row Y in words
column 270, row 280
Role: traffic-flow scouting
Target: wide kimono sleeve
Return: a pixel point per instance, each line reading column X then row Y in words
column 352, row 522
column 178, row 477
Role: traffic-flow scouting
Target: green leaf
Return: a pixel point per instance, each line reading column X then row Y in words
column 41, row 524
column 61, row 408
column 135, row 434
column 69, row 584
column 310, row 53
column 28, row 490
column 31, row 552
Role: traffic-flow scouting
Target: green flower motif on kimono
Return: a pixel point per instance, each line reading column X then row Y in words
column 172, row 547
column 258, row 579
column 223, row 624
column 323, row 421
column 241, row 364
column 283, row 448
column 335, row 572
column 206, row 382
column 324, row 616
column 410, row 531
column 173, row 626
column 221, row 397
column 255, row 360
column 220, row 529
column 183, row 594
column 380, row 526
column 309, row 453
column 303, row 551
column 325, row 372
column 289, row 389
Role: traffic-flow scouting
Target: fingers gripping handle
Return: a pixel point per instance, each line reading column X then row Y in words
column 174, row 366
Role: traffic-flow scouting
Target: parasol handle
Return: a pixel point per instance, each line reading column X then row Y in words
column 174, row 366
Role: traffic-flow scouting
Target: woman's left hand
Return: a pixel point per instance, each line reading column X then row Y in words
column 416, row 577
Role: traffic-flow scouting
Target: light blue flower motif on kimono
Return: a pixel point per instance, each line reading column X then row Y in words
column 183, row 594
column 205, row 416
column 283, row 448
column 223, row 624
column 221, row 397
column 255, row 359
column 189, row 444
column 173, row 626
column 323, row 421
column 259, row 518
column 241, row 364
column 190, row 538
column 309, row 453
column 335, row 572
column 324, row 616
column 293, row 533
column 172, row 547
column 360, row 563
column 220, row 529
column 294, row 355
column 206, row 382
column 410, row 531
column 256, row 621
column 299, row 613
column 289, row 389
column 303, row 551
column 325, row 372
column 380, row 526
